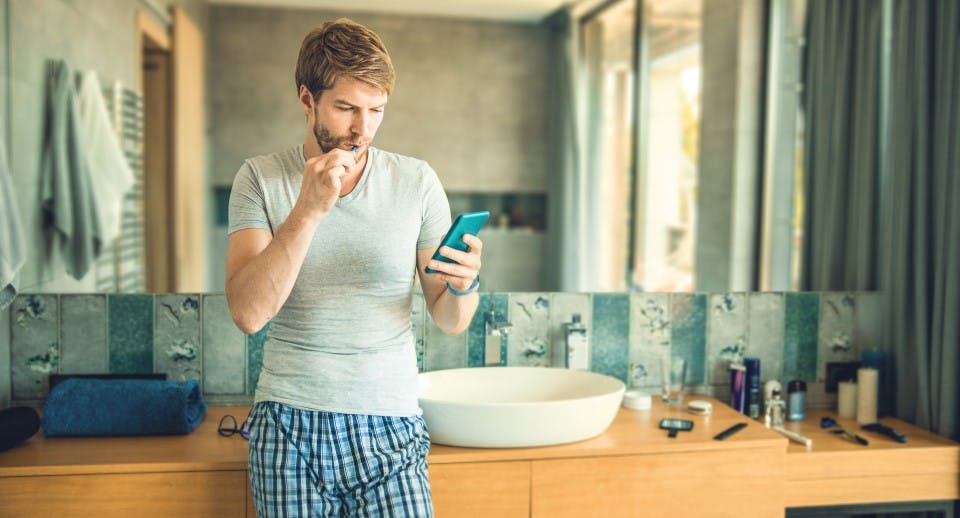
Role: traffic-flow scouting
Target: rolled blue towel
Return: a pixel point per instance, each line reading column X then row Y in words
column 85, row 406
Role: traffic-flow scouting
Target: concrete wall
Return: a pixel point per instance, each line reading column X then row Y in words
column 730, row 140
column 98, row 36
column 470, row 96
column 4, row 73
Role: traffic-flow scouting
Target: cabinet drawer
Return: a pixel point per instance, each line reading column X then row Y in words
column 481, row 489
column 200, row 493
column 720, row 483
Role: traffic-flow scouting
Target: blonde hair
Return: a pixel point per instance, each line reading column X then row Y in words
column 343, row 48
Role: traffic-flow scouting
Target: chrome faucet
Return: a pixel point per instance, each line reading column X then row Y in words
column 574, row 352
column 495, row 330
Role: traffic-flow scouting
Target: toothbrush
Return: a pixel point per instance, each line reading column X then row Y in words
column 794, row 436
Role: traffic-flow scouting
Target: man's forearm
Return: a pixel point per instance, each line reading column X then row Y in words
column 258, row 290
column 453, row 314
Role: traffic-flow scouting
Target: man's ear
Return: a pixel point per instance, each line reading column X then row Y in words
column 306, row 100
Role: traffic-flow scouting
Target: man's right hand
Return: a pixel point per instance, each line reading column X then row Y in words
column 322, row 181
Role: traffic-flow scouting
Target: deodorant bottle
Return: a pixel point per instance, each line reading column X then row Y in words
column 796, row 401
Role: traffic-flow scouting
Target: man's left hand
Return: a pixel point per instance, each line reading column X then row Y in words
column 460, row 275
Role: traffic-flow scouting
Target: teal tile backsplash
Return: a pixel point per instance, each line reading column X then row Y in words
column 835, row 330
column 35, row 344
column 801, row 336
column 530, row 316
column 83, row 334
column 130, row 320
column 765, row 332
column 177, row 347
column 610, row 343
column 192, row 336
column 475, row 334
column 688, row 333
column 224, row 349
column 254, row 355
column 727, row 331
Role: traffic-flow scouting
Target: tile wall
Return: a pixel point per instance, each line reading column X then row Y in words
column 191, row 336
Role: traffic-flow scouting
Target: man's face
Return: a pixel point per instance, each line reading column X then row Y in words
column 348, row 115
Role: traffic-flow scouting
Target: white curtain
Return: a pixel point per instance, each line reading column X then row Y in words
column 573, row 215
column 568, row 222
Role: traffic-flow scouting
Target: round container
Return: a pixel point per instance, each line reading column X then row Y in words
column 699, row 407
column 637, row 400
column 796, row 400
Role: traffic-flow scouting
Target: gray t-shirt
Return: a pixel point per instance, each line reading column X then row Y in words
column 343, row 342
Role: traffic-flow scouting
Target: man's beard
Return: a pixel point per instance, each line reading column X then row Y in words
column 325, row 140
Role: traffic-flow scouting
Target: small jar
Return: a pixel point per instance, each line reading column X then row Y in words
column 796, row 401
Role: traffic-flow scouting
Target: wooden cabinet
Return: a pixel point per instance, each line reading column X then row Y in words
column 632, row 469
column 481, row 489
column 717, row 483
column 186, row 494
column 840, row 472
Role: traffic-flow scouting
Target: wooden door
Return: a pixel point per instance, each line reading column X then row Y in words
column 189, row 218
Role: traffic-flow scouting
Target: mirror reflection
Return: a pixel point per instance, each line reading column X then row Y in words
column 610, row 140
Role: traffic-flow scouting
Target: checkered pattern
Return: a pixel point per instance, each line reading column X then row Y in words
column 306, row 463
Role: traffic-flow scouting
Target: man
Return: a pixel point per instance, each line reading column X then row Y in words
column 324, row 241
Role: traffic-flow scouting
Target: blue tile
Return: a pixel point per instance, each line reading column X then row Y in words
column 34, row 346
column 255, row 357
column 417, row 309
column 178, row 349
column 83, row 334
column 530, row 335
column 476, row 331
column 766, row 334
column 222, row 203
column 836, row 330
column 869, row 324
column 443, row 351
column 727, row 332
column 801, row 321
column 130, row 321
column 649, row 338
column 610, row 347
column 688, row 334
column 224, row 349
column 563, row 306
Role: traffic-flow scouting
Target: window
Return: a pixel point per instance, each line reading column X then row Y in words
column 665, row 211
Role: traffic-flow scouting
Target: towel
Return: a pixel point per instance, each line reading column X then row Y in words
column 11, row 235
column 110, row 174
column 86, row 406
column 69, row 209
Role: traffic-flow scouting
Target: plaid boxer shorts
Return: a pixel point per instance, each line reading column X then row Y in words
column 310, row 463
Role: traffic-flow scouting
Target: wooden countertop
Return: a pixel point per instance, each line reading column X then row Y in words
column 835, row 471
column 201, row 450
column 838, row 471
column 633, row 432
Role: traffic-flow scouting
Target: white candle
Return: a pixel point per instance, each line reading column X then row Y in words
column 867, row 395
column 847, row 399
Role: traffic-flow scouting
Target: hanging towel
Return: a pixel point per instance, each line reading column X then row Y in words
column 110, row 174
column 70, row 216
column 82, row 406
column 11, row 234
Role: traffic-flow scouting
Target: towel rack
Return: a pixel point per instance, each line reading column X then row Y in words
column 121, row 266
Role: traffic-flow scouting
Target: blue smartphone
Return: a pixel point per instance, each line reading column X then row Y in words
column 466, row 223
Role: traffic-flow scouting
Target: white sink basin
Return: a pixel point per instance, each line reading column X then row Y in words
column 512, row 407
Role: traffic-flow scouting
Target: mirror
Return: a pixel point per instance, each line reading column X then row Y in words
column 471, row 99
